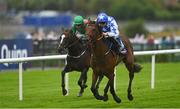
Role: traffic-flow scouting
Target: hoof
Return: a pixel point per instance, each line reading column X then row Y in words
column 105, row 98
column 130, row 97
column 79, row 94
column 99, row 97
column 118, row 100
column 85, row 86
column 64, row 92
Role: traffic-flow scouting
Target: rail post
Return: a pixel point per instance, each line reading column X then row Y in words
column 153, row 71
column 20, row 81
column 67, row 80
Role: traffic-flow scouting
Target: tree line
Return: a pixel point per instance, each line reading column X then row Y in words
column 120, row 9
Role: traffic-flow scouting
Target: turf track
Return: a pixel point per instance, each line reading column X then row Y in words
column 42, row 89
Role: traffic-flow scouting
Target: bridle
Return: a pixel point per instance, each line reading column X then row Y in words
column 100, row 37
column 72, row 44
column 91, row 26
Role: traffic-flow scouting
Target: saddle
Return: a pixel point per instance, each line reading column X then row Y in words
column 112, row 44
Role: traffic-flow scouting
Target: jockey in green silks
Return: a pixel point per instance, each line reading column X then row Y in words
column 78, row 27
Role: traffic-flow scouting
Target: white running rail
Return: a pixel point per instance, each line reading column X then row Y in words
column 37, row 58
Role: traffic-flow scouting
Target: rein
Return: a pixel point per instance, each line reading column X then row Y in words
column 108, row 51
column 100, row 37
column 78, row 55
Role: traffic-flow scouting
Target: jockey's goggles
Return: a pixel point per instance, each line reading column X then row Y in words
column 102, row 23
column 79, row 25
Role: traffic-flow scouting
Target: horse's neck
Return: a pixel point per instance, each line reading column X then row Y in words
column 75, row 50
column 100, row 48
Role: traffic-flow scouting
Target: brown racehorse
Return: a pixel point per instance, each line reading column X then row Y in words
column 105, row 60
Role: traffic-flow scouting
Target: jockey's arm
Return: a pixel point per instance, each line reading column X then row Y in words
column 79, row 35
column 73, row 29
column 86, row 21
column 114, row 31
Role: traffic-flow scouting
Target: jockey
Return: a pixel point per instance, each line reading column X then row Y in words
column 78, row 27
column 109, row 28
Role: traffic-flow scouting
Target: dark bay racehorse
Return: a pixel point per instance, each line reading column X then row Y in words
column 104, row 60
column 78, row 59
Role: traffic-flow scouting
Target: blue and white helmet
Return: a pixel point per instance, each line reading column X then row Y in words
column 102, row 17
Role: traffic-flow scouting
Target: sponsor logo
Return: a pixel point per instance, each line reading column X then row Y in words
column 12, row 53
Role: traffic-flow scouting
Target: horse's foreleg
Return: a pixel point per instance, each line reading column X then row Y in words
column 106, row 91
column 64, row 91
column 82, row 81
column 85, row 77
column 94, row 79
column 99, row 81
column 93, row 87
column 111, row 83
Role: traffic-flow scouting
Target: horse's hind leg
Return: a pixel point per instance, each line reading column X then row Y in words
column 130, row 67
column 82, row 82
column 111, row 83
column 131, row 76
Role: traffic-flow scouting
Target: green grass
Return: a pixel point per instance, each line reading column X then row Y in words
column 43, row 89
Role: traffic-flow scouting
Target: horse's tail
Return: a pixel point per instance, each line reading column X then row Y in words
column 137, row 68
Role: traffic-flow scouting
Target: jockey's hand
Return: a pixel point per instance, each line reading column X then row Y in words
column 86, row 21
column 79, row 36
column 105, row 35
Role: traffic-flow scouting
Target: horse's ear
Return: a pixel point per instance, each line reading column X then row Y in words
column 71, row 32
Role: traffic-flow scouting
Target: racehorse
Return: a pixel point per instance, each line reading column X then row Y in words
column 78, row 59
column 104, row 61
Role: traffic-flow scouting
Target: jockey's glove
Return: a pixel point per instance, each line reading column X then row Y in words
column 105, row 35
column 79, row 35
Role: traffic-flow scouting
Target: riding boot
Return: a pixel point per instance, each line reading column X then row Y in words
column 121, row 46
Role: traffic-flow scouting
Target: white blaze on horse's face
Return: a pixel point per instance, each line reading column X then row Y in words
column 62, row 38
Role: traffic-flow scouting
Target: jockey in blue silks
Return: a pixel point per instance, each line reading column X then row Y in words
column 109, row 28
